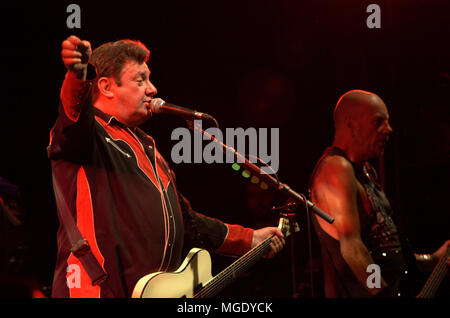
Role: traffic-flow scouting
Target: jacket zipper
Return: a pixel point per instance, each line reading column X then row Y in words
column 108, row 140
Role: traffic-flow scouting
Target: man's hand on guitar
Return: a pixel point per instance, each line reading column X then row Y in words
column 427, row 262
column 441, row 252
column 277, row 243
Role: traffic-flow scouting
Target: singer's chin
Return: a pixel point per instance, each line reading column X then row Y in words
column 147, row 117
column 141, row 118
column 147, row 112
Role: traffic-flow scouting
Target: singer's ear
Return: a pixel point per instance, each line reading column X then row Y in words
column 104, row 87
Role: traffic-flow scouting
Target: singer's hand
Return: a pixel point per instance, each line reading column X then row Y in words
column 75, row 54
column 277, row 243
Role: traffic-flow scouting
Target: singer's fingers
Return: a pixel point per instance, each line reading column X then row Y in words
column 74, row 39
column 71, row 61
column 66, row 45
column 68, row 53
column 71, row 45
column 276, row 245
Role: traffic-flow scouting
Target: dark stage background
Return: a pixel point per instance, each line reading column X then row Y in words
column 280, row 64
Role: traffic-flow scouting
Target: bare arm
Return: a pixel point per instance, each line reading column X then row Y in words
column 336, row 190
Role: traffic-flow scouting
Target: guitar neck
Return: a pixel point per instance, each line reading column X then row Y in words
column 226, row 276
column 436, row 277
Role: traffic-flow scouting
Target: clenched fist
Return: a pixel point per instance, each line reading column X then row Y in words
column 75, row 54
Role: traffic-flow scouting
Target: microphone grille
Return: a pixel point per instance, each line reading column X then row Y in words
column 155, row 105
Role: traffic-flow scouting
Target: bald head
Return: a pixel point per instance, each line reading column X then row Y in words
column 361, row 121
column 353, row 104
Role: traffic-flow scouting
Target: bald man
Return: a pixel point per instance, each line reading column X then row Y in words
column 344, row 185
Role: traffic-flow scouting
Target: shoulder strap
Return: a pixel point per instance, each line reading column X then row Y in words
column 80, row 246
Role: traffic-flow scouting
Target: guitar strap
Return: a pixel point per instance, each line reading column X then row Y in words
column 80, row 246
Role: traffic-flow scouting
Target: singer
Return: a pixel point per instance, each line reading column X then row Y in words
column 108, row 175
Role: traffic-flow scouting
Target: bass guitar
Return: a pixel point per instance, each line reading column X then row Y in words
column 434, row 281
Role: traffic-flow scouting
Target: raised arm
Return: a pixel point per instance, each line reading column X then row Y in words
column 70, row 137
column 75, row 55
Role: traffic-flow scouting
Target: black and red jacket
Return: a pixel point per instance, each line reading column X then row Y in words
column 124, row 199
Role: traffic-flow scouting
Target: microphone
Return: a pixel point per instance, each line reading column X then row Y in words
column 159, row 106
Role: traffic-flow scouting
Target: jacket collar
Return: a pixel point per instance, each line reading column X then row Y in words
column 111, row 120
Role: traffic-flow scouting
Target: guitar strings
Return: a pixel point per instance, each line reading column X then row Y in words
column 210, row 289
column 437, row 276
column 441, row 269
column 429, row 288
column 223, row 280
column 224, row 275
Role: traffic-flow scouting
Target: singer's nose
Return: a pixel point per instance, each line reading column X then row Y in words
column 151, row 89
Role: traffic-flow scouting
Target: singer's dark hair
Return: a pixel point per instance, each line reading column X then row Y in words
column 110, row 58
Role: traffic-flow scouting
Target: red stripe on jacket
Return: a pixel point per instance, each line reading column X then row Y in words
column 85, row 223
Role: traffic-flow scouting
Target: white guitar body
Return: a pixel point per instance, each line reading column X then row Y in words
column 193, row 278
column 192, row 274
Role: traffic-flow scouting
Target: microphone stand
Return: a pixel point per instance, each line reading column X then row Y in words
column 269, row 179
column 280, row 187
